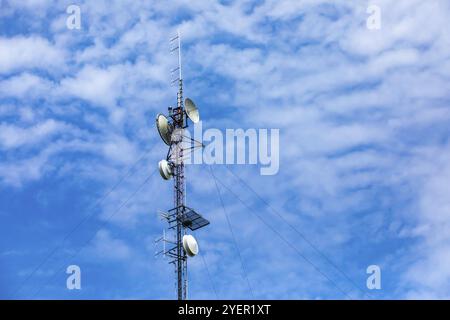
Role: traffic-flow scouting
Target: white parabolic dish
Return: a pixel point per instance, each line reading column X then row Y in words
column 164, row 128
column 192, row 110
column 190, row 245
column 165, row 170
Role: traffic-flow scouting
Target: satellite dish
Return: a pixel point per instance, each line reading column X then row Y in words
column 164, row 128
column 191, row 110
column 165, row 170
column 190, row 245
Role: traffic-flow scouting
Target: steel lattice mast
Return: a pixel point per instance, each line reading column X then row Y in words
column 179, row 183
column 180, row 217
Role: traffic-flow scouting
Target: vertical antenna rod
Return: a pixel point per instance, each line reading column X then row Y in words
column 179, row 54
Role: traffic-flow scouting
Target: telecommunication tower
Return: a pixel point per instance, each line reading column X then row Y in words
column 180, row 218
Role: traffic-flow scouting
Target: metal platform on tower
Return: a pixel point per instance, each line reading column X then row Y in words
column 189, row 218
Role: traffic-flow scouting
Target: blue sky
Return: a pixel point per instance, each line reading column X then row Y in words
column 364, row 147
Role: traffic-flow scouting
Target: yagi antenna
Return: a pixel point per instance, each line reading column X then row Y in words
column 180, row 218
column 177, row 41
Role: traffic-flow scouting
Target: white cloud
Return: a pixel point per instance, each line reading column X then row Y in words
column 32, row 52
column 428, row 276
column 97, row 85
column 25, row 86
column 118, row 148
column 16, row 172
column 12, row 136
column 107, row 247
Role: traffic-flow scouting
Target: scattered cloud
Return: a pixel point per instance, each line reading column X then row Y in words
column 363, row 118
